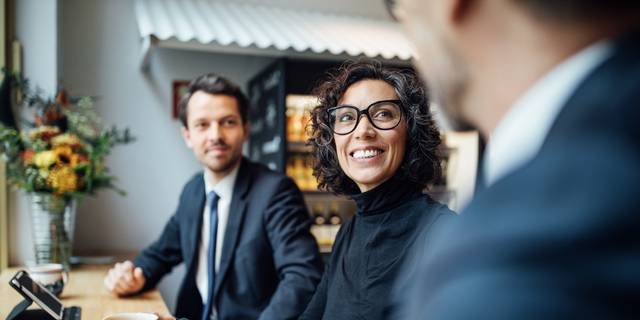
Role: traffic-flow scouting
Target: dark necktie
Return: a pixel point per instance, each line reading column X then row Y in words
column 212, row 202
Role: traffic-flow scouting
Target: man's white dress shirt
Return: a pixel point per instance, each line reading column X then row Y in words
column 519, row 135
column 224, row 190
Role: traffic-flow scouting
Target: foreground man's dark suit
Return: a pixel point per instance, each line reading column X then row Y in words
column 270, row 264
column 560, row 237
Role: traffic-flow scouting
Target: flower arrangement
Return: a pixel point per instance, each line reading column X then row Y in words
column 63, row 150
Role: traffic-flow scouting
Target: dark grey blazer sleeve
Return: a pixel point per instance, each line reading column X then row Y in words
column 295, row 252
column 159, row 258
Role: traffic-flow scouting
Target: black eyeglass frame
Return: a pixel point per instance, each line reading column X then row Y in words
column 366, row 112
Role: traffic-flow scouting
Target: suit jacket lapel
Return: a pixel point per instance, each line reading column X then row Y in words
column 605, row 78
column 234, row 222
column 194, row 208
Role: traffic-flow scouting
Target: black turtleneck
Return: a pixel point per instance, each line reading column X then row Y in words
column 371, row 248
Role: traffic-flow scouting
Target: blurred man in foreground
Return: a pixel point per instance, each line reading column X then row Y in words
column 241, row 229
column 554, row 88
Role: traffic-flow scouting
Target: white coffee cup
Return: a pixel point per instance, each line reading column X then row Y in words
column 50, row 275
column 131, row 316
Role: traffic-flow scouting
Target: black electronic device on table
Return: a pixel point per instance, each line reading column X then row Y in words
column 35, row 292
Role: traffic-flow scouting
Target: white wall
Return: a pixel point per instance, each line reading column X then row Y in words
column 36, row 25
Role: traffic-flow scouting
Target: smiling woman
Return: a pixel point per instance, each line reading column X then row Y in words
column 374, row 140
column 355, row 84
column 370, row 153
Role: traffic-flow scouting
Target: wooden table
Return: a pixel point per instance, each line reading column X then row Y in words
column 85, row 289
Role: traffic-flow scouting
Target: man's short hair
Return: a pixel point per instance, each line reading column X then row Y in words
column 579, row 9
column 215, row 84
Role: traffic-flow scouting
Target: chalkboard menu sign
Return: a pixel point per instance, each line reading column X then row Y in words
column 267, row 136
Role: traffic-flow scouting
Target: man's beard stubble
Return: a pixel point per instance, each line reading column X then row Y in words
column 235, row 158
column 447, row 84
column 447, row 106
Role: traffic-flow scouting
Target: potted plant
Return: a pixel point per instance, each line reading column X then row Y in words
column 58, row 158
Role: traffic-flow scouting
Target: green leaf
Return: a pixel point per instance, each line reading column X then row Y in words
column 82, row 121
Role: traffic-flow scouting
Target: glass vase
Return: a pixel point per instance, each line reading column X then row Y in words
column 52, row 224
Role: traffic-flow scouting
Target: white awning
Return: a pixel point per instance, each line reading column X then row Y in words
column 232, row 27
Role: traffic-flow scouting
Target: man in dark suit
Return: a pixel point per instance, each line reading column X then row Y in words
column 554, row 89
column 241, row 229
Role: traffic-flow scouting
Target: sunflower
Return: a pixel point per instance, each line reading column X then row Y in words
column 44, row 133
column 45, row 159
column 65, row 156
column 63, row 179
column 67, row 139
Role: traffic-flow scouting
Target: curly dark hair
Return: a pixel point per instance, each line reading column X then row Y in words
column 421, row 163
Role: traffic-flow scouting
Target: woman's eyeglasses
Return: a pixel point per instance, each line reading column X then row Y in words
column 383, row 115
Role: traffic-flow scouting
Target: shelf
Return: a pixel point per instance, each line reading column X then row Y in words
column 322, row 196
column 298, row 146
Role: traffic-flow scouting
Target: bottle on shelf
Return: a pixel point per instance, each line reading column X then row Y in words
column 318, row 217
column 290, row 169
column 320, row 229
column 299, row 172
column 294, row 124
column 334, row 219
column 304, row 120
column 334, row 214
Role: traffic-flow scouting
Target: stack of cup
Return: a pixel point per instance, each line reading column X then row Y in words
column 50, row 275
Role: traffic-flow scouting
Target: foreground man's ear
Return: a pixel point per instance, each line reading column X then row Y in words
column 185, row 135
column 457, row 10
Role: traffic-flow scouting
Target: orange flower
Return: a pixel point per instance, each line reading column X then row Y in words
column 36, row 120
column 28, row 155
column 63, row 99
column 51, row 115
column 44, row 133
column 63, row 179
column 83, row 159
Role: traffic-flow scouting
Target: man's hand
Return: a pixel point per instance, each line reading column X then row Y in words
column 124, row 279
